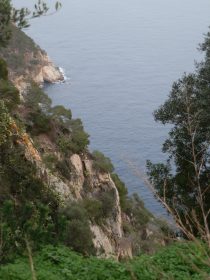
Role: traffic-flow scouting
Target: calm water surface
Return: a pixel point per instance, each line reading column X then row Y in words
column 121, row 57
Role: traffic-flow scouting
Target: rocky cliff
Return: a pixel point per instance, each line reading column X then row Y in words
column 57, row 145
column 28, row 62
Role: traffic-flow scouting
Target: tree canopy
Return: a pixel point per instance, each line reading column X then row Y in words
column 183, row 182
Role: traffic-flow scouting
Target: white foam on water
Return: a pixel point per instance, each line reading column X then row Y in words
column 65, row 78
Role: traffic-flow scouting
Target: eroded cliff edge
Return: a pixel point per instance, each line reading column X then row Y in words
column 27, row 62
column 58, row 146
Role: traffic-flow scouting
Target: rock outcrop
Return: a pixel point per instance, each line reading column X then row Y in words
column 27, row 62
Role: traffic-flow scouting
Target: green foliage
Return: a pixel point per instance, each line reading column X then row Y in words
column 77, row 233
column 3, row 70
column 187, row 111
column 61, row 113
column 94, row 209
column 5, row 123
column 15, row 52
column 5, row 16
column 40, row 123
column 107, row 200
column 64, row 144
column 50, row 161
column 80, row 141
column 9, row 94
column 122, row 190
column 64, row 168
column 179, row 262
column 102, row 163
column 37, row 99
column 27, row 208
column 75, row 140
column 136, row 210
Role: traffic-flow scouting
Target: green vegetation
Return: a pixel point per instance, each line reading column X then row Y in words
column 94, row 209
column 3, row 70
column 9, row 94
column 5, row 123
column 182, row 183
column 40, row 123
column 50, row 161
column 122, row 190
column 135, row 208
column 36, row 229
column 64, row 168
column 102, row 163
column 78, row 235
column 179, row 262
column 61, row 113
column 36, row 98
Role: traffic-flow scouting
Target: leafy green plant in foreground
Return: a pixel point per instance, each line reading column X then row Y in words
column 181, row 261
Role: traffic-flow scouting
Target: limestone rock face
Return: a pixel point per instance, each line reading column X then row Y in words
column 106, row 237
column 44, row 71
column 109, row 235
column 27, row 62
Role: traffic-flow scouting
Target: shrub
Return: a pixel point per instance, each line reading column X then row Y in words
column 79, row 237
column 180, row 261
column 64, row 144
column 136, row 210
column 9, row 94
column 61, row 113
column 64, row 168
column 94, row 209
column 40, row 122
column 122, row 190
column 107, row 200
column 74, row 143
column 78, row 233
column 5, row 123
column 37, row 99
column 80, row 141
column 3, row 70
column 32, row 212
column 102, row 163
column 50, row 160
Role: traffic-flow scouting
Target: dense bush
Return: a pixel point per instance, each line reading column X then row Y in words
column 76, row 142
column 37, row 99
column 107, row 200
column 3, row 70
column 27, row 208
column 61, row 113
column 63, row 167
column 182, row 261
column 40, row 122
column 136, row 210
column 50, row 161
column 80, row 141
column 9, row 94
column 94, row 209
column 102, row 163
column 5, row 123
column 77, row 233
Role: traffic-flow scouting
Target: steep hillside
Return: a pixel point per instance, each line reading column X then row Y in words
column 28, row 62
column 52, row 189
